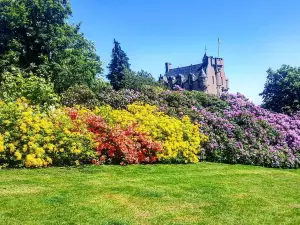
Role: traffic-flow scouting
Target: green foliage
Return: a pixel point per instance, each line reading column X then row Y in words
column 87, row 96
column 35, row 37
column 201, row 99
column 136, row 81
column 153, row 93
column 80, row 95
column 100, row 86
column 36, row 89
column 177, row 103
column 118, row 63
column 282, row 90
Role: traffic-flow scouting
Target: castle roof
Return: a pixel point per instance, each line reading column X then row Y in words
column 192, row 69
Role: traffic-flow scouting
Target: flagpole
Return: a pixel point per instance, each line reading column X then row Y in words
column 218, row 47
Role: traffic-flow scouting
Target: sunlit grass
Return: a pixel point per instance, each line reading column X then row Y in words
column 204, row 193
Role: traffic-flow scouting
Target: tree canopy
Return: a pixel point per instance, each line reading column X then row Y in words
column 35, row 89
column 282, row 90
column 36, row 37
column 118, row 63
column 137, row 81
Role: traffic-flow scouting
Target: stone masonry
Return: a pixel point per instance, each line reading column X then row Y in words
column 208, row 76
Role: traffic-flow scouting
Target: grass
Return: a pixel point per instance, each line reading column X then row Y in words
column 204, row 193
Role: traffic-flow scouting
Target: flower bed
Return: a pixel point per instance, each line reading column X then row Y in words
column 238, row 131
column 73, row 136
column 181, row 139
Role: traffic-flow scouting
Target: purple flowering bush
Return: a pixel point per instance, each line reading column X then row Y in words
column 238, row 130
column 241, row 138
column 286, row 145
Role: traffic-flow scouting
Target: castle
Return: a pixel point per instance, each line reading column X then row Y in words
column 208, row 76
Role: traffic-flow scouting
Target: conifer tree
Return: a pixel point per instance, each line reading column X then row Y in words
column 118, row 63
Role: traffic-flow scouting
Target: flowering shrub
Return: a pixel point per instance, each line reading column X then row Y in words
column 181, row 138
column 238, row 131
column 115, row 144
column 288, row 127
column 247, row 134
column 178, row 88
column 231, row 130
column 34, row 139
column 242, row 139
column 120, row 99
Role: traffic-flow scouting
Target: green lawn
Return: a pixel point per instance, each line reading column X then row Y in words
column 204, row 193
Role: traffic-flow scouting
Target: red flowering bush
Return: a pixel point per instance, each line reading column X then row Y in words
column 117, row 145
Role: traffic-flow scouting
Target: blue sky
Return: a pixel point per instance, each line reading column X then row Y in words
column 255, row 34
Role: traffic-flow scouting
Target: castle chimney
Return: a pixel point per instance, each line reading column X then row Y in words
column 168, row 67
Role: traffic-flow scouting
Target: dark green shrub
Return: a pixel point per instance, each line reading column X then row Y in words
column 80, row 95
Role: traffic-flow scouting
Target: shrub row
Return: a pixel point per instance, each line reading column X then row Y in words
column 153, row 125
column 72, row 136
column 238, row 131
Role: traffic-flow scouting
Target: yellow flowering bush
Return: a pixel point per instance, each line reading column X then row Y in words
column 31, row 138
column 71, row 136
column 180, row 137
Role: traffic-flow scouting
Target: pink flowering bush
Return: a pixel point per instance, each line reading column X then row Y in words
column 243, row 139
column 287, row 127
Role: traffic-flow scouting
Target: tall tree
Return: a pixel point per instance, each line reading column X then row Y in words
column 35, row 37
column 118, row 63
column 282, row 90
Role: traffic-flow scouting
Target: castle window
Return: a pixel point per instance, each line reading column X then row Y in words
column 190, row 80
column 178, row 81
column 222, row 80
column 213, row 79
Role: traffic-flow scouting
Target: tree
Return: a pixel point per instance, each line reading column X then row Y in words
column 35, row 37
column 145, row 74
column 282, row 90
column 137, row 81
column 37, row 90
column 118, row 63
